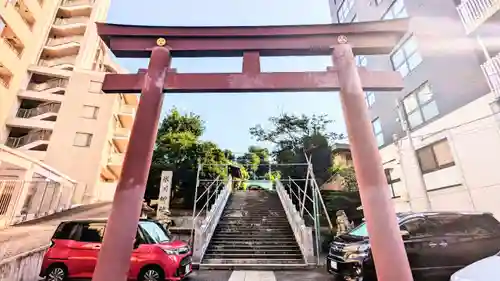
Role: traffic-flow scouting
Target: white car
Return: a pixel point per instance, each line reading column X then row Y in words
column 487, row 269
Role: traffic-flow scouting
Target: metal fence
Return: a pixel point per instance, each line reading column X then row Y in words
column 22, row 201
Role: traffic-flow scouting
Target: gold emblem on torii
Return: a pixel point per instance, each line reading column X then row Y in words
column 161, row 41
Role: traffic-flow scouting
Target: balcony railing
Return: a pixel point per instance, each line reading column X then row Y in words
column 127, row 109
column 72, row 20
column 491, row 69
column 58, row 61
column 64, row 40
column 29, row 138
column 116, row 158
column 51, row 84
column 122, row 132
column 475, row 12
column 45, row 108
column 73, row 3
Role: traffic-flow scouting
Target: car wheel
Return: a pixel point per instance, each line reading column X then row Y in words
column 56, row 273
column 151, row 274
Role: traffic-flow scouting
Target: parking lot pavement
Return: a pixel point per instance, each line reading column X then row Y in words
column 304, row 275
column 228, row 275
column 210, row 275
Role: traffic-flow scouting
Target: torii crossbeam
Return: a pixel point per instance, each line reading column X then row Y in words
column 340, row 41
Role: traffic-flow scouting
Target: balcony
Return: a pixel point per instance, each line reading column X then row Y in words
column 76, row 3
column 34, row 140
column 121, row 137
column 61, row 41
column 475, row 12
column 126, row 114
column 5, row 76
column 115, row 163
column 491, row 69
column 47, row 112
column 12, row 41
column 67, row 62
column 25, row 13
column 67, row 26
column 62, row 46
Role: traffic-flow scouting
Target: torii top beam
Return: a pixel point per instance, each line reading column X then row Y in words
column 251, row 42
column 366, row 38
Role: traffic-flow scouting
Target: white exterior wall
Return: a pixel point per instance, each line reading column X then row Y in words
column 473, row 184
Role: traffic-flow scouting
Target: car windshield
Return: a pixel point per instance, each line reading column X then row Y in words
column 155, row 232
column 360, row 230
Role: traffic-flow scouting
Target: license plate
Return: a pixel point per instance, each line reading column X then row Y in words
column 333, row 264
column 186, row 269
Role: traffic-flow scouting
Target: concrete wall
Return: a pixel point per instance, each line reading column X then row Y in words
column 473, row 183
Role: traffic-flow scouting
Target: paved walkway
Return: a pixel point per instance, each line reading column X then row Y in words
column 293, row 275
column 32, row 235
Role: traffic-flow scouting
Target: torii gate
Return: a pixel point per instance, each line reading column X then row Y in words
column 340, row 41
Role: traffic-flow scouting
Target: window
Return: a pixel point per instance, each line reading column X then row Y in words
column 344, row 10
column 91, row 232
column 420, row 106
column 154, row 232
column 406, row 57
column 466, row 224
column 396, row 11
column 65, row 230
column 435, row 157
column 2, row 25
column 82, row 139
column 377, row 130
column 361, row 61
column 90, row 112
column 418, row 227
column 370, row 98
column 391, row 182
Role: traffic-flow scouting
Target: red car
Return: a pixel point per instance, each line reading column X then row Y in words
column 75, row 246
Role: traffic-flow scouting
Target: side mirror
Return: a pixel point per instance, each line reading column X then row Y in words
column 136, row 243
column 404, row 233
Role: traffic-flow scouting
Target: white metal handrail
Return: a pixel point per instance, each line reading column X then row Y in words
column 302, row 233
column 205, row 228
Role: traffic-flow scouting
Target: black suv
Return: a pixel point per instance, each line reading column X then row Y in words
column 437, row 244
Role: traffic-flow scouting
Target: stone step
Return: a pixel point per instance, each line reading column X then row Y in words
column 253, row 220
column 229, row 264
column 267, row 256
column 255, row 231
column 254, row 261
column 244, row 229
column 216, row 240
column 254, row 243
column 253, row 251
column 285, row 247
column 254, row 236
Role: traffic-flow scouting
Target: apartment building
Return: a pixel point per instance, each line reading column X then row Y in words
column 449, row 103
column 52, row 66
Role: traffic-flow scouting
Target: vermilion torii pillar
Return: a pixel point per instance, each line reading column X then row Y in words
column 365, row 38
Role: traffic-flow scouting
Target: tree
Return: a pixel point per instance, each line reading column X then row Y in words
column 179, row 149
column 294, row 135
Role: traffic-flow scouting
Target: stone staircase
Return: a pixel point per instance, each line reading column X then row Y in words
column 253, row 232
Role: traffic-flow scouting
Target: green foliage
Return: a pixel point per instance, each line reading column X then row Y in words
column 178, row 149
column 347, row 176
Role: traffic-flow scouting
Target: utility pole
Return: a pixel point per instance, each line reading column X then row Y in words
column 420, row 181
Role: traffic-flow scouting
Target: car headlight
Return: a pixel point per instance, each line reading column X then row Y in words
column 171, row 251
column 177, row 251
column 363, row 247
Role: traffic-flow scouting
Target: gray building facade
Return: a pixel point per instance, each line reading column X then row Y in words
column 439, row 62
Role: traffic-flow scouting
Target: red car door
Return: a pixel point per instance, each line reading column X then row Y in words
column 82, row 257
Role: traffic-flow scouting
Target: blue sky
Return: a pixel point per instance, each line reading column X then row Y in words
column 229, row 116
